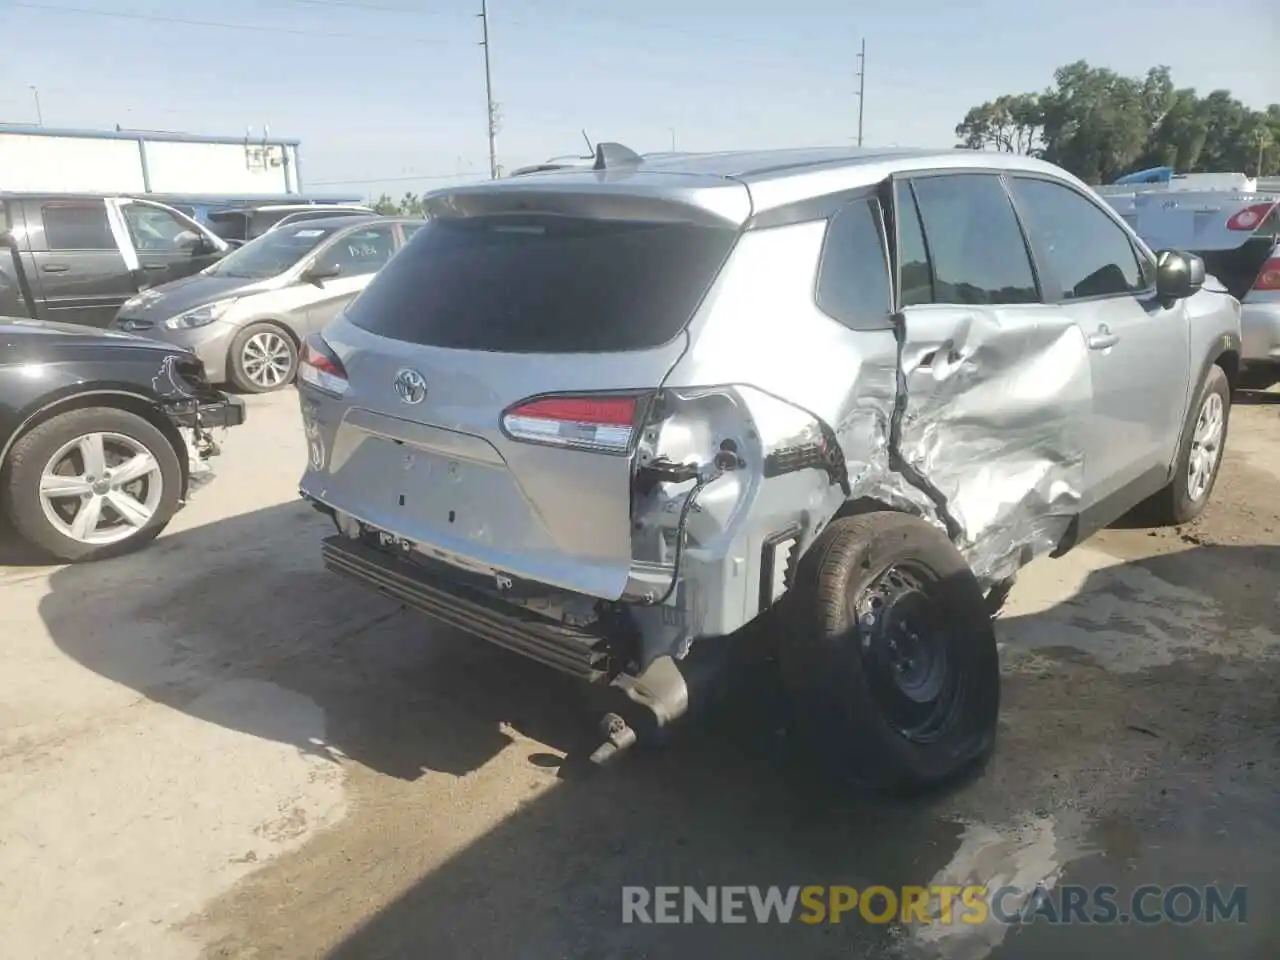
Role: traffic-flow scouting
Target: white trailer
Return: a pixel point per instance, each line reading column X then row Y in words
column 46, row 160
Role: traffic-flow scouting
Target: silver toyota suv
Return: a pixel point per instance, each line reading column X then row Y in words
column 633, row 420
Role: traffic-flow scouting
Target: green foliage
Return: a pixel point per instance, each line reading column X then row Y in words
column 1101, row 125
column 410, row 205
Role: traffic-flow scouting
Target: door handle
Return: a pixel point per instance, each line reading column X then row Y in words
column 55, row 268
column 157, row 266
column 1103, row 338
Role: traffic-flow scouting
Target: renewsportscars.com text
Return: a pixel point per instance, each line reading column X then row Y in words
column 945, row 905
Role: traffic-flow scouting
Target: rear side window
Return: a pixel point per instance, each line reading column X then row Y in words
column 1083, row 249
column 915, row 273
column 977, row 249
column 80, row 226
column 538, row 283
column 853, row 283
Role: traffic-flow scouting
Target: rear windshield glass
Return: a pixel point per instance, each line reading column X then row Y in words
column 543, row 284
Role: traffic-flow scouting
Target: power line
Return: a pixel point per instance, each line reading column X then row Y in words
column 154, row 18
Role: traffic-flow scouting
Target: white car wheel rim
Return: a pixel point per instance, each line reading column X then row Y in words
column 1206, row 446
column 266, row 359
column 101, row 488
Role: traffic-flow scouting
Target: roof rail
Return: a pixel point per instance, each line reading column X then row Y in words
column 609, row 156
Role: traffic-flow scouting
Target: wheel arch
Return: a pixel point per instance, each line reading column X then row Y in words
column 115, row 398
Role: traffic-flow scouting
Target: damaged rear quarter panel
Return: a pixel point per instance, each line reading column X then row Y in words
column 992, row 422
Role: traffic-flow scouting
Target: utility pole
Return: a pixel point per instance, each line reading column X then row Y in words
column 1264, row 141
column 862, row 85
column 491, row 111
column 35, row 93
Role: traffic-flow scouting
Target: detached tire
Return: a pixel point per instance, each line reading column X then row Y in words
column 890, row 658
column 99, row 459
column 1203, row 438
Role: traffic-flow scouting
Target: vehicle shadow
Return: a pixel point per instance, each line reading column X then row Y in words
column 14, row 552
column 1256, row 397
column 727, row 803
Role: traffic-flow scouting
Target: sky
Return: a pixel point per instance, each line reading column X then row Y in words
column 389, row 95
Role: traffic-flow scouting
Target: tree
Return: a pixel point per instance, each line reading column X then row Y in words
column 1099, row 124
column 410, row 205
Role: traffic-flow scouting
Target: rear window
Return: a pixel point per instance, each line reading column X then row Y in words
column 543, row 283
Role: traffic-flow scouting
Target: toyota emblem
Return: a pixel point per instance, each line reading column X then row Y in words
column 411, row 386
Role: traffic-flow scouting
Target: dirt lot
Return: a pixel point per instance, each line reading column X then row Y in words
column 216, row 749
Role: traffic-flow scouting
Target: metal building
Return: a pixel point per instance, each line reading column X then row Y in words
column 44, row 159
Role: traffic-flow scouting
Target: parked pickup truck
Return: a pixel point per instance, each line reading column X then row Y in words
column 78, row 258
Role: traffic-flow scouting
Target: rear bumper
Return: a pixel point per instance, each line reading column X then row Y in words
column 1260, row 331
column 572, row 650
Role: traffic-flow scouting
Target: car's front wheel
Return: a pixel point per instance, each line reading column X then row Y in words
column 1199, row 456
column 263, row 358
column 889, row 656
column 91, row 483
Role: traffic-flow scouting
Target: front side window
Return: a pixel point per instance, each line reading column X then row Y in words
column 1083, row 249
column 853, row 282
column 359, row 252
column 976, row 247
column 154, row 230
column 77, row 226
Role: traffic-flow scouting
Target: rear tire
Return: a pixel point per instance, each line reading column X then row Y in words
column 42, row 480
column 1188, row 493
column 262, row 359
column 890, row 658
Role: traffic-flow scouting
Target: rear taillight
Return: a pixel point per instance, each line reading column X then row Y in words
column 320, row 367
column 1250, row 217
column 602, row 423
column 1268, row 276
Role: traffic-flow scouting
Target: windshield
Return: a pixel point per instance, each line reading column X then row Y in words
column 271, row 254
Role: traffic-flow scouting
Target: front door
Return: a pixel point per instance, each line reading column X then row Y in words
column 358, row 254
column 168, row 246
column 1138, row 350
column 82, row 267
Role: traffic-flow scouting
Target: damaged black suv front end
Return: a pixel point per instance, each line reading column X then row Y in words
column 48, row 367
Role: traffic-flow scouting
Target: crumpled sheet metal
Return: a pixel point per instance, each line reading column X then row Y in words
column 995, row 419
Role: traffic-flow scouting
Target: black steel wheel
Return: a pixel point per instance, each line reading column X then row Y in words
column 890, row 658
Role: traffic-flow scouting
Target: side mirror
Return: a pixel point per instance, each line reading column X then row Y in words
column 1178, row 275
column 319, row 272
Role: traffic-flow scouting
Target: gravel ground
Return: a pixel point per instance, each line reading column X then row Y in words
column 215, row 749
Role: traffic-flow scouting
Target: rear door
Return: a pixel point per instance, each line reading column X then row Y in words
column 357, row 254
column 168, row 246
column 996, row 379
column 1138, row 350
column 494, row 313
column 82, row 261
